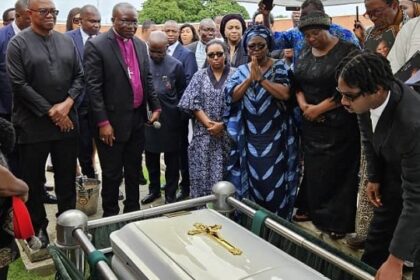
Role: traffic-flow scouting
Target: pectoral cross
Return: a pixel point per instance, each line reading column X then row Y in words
column 129, row 72
column 213, row 233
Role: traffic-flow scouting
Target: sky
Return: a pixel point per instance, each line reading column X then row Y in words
column 105, row 7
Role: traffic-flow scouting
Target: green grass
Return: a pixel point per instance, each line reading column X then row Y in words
column 17, row 271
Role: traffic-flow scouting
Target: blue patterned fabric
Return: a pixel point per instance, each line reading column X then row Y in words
column 206, row 153
column 263, row 159
column 294, row 39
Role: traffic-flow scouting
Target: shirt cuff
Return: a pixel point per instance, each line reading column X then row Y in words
column 103, row 123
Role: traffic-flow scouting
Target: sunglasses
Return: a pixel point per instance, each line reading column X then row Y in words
column 76, row 20
column 45, row 12
column 255, row 47
column 348, row 95
column 214, row 54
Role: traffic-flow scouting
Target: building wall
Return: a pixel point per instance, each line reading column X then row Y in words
column 279, row 24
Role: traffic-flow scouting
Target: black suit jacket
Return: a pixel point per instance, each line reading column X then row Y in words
column 193, row 48
column 394, row 157
column 188, row 61
column 6, row 33
column 108, row 84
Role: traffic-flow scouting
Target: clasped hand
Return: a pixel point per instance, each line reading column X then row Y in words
column 59, row 115
column 256, row 73
column 215, row 128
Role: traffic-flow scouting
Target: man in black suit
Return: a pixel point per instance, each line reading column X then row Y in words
column 46, row 77
column 187, row 59
column 90, row 19
column 120, row 86
column 207, row 32
column 389, row 122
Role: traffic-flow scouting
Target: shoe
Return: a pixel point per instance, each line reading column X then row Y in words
column 169, row 199
column 43, row 237
column 356, row 242
column 48, row 188
column 150, row 198
column 181, row 196
column 49, row 198
column 120, row 195
column 301, row 216
column 336, row 235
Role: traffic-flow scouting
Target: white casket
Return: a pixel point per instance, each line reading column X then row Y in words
column 161, row 248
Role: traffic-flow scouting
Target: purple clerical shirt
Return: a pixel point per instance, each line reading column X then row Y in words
column 129, row 55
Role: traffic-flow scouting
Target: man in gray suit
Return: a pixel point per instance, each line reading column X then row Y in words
column 207, row 32
column 390, row 128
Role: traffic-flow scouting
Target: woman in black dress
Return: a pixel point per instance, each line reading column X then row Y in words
column 330, row 135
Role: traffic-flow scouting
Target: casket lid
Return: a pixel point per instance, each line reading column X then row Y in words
column 160, row 248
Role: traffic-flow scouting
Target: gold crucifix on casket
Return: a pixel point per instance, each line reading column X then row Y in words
column 213, row 233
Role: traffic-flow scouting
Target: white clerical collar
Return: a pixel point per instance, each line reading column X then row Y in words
column 16, row 29
column 376, row 113
column 171, row 48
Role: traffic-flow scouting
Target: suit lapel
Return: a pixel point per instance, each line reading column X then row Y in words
column 140, row 59
column 117, row 51
column 383, row 126
column 79, row 43
column 10, row 32
column 177, row 51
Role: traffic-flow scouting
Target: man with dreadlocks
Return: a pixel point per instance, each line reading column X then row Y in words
column 392, row 130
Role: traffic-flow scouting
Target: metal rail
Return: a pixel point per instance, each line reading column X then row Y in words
column 87, row 246
column 151, row 212
column 296, row 238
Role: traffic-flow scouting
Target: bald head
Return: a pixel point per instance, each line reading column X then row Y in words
column 158, row 38
column 120, row 7
column 21, row 4
column 158, row 44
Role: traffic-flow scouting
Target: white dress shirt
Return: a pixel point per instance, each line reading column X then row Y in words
column 375, row 114
column 171, row 48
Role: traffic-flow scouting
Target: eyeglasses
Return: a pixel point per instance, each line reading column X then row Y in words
column 349, row 96
column 76, row 20
column 255, row 47
column 128, row 22
column 214, row 54
column 375, row 13
column 45, row 12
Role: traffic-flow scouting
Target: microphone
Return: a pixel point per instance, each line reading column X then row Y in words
column 156, row 125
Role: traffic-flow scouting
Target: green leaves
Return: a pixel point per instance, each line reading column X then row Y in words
column 188, row 10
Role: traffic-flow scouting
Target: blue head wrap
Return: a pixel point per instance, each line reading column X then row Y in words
column 259, row 30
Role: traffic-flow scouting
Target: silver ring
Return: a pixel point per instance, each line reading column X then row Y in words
column 103, row 139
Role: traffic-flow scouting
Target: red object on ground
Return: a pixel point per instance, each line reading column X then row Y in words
column 22, row 224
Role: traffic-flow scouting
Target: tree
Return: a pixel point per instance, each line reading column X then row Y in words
column 188, row 10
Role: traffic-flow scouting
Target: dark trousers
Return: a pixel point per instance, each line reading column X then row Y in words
column 171, row 173
column 85, row 145
column 122, row 159
column 383, row 225
column 32, row 165
column 3, row 272
column 183, row 160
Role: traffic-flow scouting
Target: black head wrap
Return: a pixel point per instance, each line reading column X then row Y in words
column 315, row 20
column 229, row 17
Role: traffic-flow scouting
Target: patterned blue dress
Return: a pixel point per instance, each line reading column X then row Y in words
column 206, row 154
column 263, row 161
